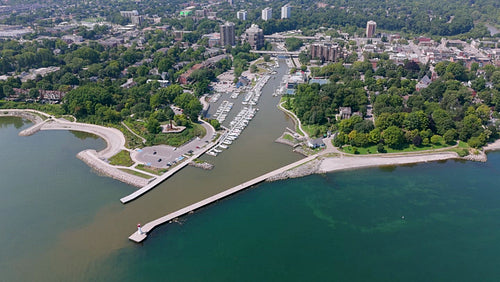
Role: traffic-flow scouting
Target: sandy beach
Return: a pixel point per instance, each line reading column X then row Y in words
column 348, row 162
column 495, row 146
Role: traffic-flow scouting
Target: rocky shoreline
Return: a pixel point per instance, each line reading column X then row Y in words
column 90, row 158
column 203, row 165
column 479, row 157
column 309, row 168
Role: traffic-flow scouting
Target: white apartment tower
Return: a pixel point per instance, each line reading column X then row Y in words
column 241, row 15
column 267, row 14
column 371, row 26
column 286, row 11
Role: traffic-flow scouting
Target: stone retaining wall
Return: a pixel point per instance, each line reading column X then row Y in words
column 309, row 168
column 38, row 121
column 90, row 158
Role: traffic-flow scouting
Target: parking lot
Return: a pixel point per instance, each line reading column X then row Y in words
column 162, row 155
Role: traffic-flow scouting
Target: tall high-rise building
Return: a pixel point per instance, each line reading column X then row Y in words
column 371, row 26
column 254, row 36
column 267, row 14
column 137, row 20
column 230, row 2
column 286, row 11
column 241, row 15
column 325, row 52
column 227, row 34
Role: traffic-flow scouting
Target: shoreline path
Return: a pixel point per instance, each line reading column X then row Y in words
column 115, row 143
column 327, row 160
column 321, row 162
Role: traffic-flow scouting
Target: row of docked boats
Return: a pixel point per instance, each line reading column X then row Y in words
column 237, row 125
column 223, row 110
column 215, row 97
column 252, row 96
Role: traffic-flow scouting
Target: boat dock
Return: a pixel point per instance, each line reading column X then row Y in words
column 167, row 174
column 139, row 237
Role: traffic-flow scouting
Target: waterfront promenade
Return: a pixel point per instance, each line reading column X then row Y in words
column 139, row 237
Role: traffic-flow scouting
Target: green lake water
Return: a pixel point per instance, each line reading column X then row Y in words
column 346, row 226
column 426, row 222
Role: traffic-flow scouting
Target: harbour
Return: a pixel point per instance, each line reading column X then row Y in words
column 442, row 215
column 141, row 233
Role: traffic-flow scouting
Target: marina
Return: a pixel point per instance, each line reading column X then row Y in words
column 223, row 111
column 242, row 119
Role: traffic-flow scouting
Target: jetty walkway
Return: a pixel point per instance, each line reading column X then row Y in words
column 139, row 237
column 166, row 175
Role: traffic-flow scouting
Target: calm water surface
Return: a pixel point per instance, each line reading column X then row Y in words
column 62, row 222
column 344, row 226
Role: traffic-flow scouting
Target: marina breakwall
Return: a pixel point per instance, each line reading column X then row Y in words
column 140, row 236
column 32, row 130
column 152, row 184
column 90, row 158
column 26, row 114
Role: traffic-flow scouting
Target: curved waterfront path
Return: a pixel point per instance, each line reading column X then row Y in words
column 295, row 118
column 135, row 134
column 115, row 143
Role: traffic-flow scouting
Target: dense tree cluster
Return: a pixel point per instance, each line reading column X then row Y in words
column 447, row 110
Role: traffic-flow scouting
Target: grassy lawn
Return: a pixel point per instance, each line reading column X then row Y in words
column 177, row 139
column 288, row 137
column 153, row 170
column 173, row 139
column 463, row 145
column 122, row 158
column 131, row 141
column 409, row 148
column 68, row 118
column 462, row 149
column 136, row 173
column 313, row 129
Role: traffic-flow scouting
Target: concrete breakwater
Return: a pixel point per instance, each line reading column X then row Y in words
column 32, row 130
column 90, row 158
column 140, row 236
column 37, row 120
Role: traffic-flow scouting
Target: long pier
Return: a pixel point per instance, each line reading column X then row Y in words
column 166, row 175
column 139, row 237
